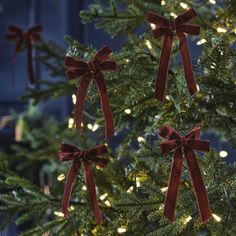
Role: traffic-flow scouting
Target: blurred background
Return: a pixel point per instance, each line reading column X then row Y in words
column 58, row 18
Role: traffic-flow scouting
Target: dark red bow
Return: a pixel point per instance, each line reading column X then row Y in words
column 28, row 38
column 70, row 152
column 92, row 70
column 184, row 146
column 166, row 28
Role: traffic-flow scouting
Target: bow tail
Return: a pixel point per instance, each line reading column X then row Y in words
column 198, row 185
column 92, row 191
column 30, row 64
column 173, row 185
column 183, row 45
column 163, row 67
column 71, row 177
column 109, row 130
column 81, row 97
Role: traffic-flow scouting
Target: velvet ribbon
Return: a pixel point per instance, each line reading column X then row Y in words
column 88, row 71
column 164, row 27
column 27, row 38
column 70, row 152
column 184, row 146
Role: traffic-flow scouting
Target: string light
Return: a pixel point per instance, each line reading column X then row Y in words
column 163, row 3
column 184, row 5
column 153, row 26
column 198, row 88
column 58, row 213
column 95, row 127
column 127, row 60
column 164, row 189
column 167, row 97
column 84, row 188
column 161, row 207
column 201, row 41
column 212, row 1
column 130, row 189
column 103, row 196
column 173, row 14
column 74, row 98
column 127, row 111
column 148, row 44
column 140, row 139
column 107, row 203
column 138, row 184
column 223, row 153
column 216, row 218
column 221, row 30
column 71, row 208
column 61, row 177
column 121, row 230
column 70, row 123
column 90, row 126
column 187, row 220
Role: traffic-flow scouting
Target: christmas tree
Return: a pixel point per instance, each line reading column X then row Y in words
column 132, row 187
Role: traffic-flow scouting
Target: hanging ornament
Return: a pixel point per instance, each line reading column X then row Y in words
column 70, row 152
column 164, row 27
column 184, row 146
column 92, row 71
column 28, row 38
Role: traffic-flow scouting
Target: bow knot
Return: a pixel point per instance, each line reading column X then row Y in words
column 172, row 26
column 183, row 142
column 165, row 28
column 28, row 38
column 184, row 146
column 70, row 152
column 88, row 71
column 92, row 66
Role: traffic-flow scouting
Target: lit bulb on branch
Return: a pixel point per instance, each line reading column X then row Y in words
column 103, row 196
column 148, row 44
column 184, row 5
column 163, row 3
column 140, row 139
column 127, row 111
column 58, row 213
column 121, row 230
column 223, row 154
column 221, row 30
column 130, row 189
column 61, row 177
column 74, row 98
column 201, row 41
column 216, row 218
column 70, row 123
column 187, row 220
column 212, row 1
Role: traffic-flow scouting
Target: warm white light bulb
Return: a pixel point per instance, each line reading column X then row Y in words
column 221, row 30
column 58, row 213
column 138, row 184
column 148, row 44
column 103, row 196
column 90, row 126
column 74, row 98
column 164, row 189
column 127, row 111
column 95, row 127
column 216, row 218
column 107, row 203
column 187, row 219
column 223, row 153
column 61, row 177
column 212, row 1
column 121, row 230
column 130, row 189
column 184, row 5
column 140, row 139
column 201, row 41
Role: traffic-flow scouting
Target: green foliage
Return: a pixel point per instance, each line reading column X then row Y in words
column 138, row 209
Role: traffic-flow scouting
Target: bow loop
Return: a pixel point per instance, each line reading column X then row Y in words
column 185, row 17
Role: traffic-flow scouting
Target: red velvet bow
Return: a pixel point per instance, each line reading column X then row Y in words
column 166, row 28
column 28, row 38
column 184, row 146
column 88, row 71
column 70, row 152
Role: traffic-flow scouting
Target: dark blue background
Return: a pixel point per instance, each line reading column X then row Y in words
column 57, row 18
